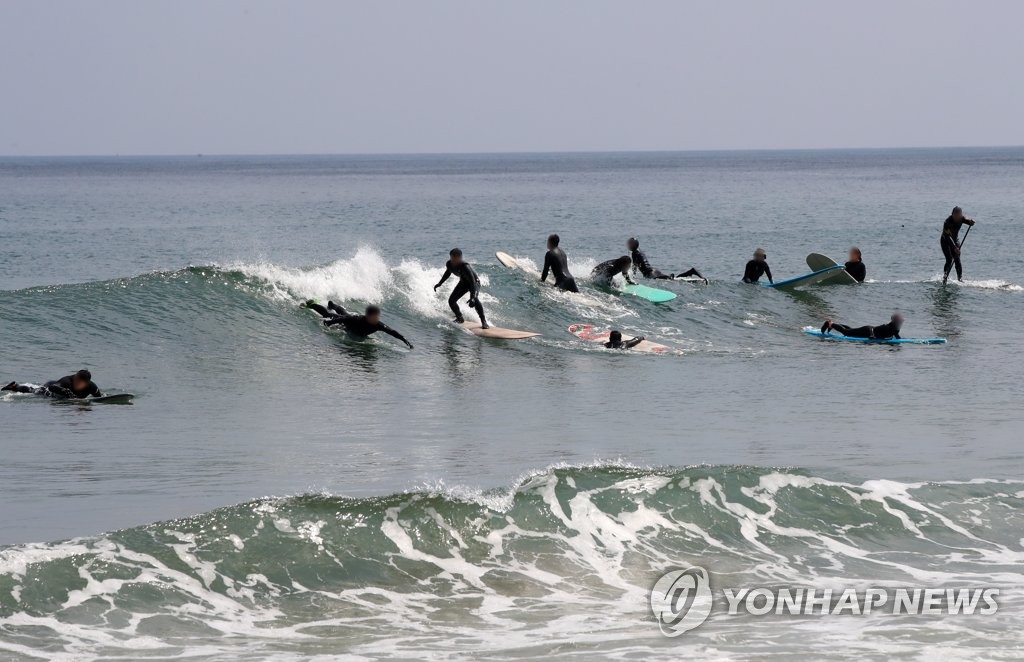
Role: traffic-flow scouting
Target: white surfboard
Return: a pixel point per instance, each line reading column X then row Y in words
column 496, row 332
column 507, row 260
column 594, row 335
column 817, row 262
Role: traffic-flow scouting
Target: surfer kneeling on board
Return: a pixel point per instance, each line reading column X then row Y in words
column 757, row 267
column 881, row 332
column 615, row 341
column 557, row 263
column 855, row 265
column 356, row 325
column 469, row 283
column 604, row 272
column 950, row 242
column 641, row 264
column 78, row 385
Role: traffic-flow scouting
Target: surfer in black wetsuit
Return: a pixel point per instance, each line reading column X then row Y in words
column 604, row 272
column 641, row 264
column 78, row 385
column 615, row 341
column 469, row 283
column 356, row 325
column 557, row 263
column 881, row 332
column 950, row 242
column 855, row 265
column 757, row 267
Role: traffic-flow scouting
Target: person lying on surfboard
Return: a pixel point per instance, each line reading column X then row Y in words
column 757, row 267
column 356, row 325
column 881, row 332
column 557, row 263
column 604, row 272
column 78, row 385
column 641, row 264
column 855, row 265
column 469, row 283
column 615, row 341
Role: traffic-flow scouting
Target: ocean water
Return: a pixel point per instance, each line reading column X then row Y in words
column 281, row 491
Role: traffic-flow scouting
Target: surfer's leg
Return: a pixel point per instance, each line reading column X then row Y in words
column 950, row 254
column 859, row 332
column 692, row 272
column 313, row 305
column 479, row 307
column 453, row 301
column 336, row 308
column 18, row 388
column 568, row 285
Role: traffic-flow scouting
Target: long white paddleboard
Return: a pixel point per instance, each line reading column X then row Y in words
column 594, row 335
column 496, row 332
column 817, row 262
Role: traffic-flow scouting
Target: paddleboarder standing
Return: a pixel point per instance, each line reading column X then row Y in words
column 951, row 244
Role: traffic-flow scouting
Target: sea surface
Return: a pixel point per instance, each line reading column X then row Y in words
column 281, row 491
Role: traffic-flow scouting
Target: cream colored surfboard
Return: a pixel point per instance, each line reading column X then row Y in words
column 497, row 332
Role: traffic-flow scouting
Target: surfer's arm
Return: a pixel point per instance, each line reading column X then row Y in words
column 394, row 334
column 629, row 279
column 768, row 272
column 446, row 276
column 634, row 342
column 547, row 267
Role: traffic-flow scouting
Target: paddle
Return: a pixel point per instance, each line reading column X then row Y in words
column 945, row 276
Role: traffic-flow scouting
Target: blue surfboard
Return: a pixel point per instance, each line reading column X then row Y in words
column 807, row 279
column 811, row 331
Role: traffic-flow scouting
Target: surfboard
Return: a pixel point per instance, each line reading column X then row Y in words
column 652, row 294
column 812, row 278
column 507, row 260
column 496, row 332
column 115, row 399
column 811, row 331
column 588, row 332
column 817, row 262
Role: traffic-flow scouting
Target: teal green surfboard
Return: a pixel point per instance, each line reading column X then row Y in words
column 652, row 294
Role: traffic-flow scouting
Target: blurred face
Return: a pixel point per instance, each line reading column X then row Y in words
column 79, row 384
column 854, row 255
column 632, row 245
column 958, row 214
column 759, row 257
column 456, row 260
column 373, row 318
column 898, row 321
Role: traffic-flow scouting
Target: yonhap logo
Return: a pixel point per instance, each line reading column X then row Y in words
column 681, row 600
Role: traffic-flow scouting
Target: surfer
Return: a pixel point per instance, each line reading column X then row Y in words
column 855, row 265
column 950, row 242
column 557, row 263
column 362, row 326
column 757, row 267
column 615, row 341
column 641, row 264
column 469, row 283
column 78, row 385
column 881, row 332
column 604, row 272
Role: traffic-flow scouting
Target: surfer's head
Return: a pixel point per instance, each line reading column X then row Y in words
column 373, row 314
column 897, row 321
column 80, row 380
column 615, row 337
column 958, row 213
column 759, row 254
column 855, row 255
column 633, row 243
column 456, row 256
column 623, row 264
column 553, row 240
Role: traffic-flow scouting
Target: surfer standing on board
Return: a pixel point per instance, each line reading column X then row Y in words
column 557, row 263
column 604, row 272
column 78, row 385
column 950, row 242
column 641, row 264
column 880, row 332
column 855, row 265
column 356, row 325
column 469, row 283
column 757, row 267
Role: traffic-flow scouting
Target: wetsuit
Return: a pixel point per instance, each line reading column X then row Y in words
column 469, row 283
column 950, row 243
column 754, row 270
column 556, row 262
column 356, row 325
column 629, row 344
column 641, row 264
column 857, row 270
column 604, row 272
column 881, row 332
column 58, row 388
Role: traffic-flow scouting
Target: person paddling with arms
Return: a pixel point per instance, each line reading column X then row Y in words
column 951, row 244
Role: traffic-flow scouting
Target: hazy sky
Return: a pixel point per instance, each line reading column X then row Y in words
column 311, row 76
